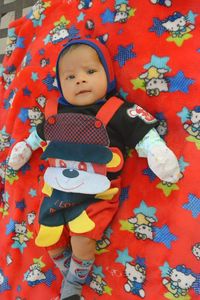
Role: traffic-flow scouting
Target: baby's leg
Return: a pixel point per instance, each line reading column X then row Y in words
column 61, row 257
column 83, row 253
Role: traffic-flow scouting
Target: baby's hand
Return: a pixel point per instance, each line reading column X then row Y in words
column 163, row 162
column 20, row 154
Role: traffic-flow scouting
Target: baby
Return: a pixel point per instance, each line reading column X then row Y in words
column 87, row 135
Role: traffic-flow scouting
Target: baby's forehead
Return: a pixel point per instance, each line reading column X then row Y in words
column 79, row 54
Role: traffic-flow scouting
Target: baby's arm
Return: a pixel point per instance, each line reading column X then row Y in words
column 161, row 160
column 22, row 151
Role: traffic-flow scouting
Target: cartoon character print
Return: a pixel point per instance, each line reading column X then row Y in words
column 34, row 275
column 41, row 100
column 3, row 171
column 8, row 78
column 122, row 11
column 9, row 259
column 97, row 284
column 85, row 4
column 26, row 60
column 167, row 3
column 179, row 281
column 90, row 25
column 59, row 33
column 103, row 38
column 5, row 207
column 31, row 217
column 21, row 236
column 44, row 62
column 192, row 126
column 177, row 25
column 103, row 243
column 37, row 11
column 35, row 116
column 20, row 233
column 162, row 128
column 154, row 81
column 4, row 286
column 143, row 226
column 4, row 141
column 135, row 275
column 10, row 174
column 196, row 250
column 10, row 43
column 9, row 101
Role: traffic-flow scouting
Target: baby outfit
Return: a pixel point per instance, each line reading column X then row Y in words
column 86, row 148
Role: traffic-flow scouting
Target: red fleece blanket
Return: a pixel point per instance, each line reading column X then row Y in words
column 152, row 248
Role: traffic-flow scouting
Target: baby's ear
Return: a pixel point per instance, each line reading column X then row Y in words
column 116, row 162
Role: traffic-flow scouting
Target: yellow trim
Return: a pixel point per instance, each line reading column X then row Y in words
column 48, row 236
column 81, row 224
column 116, row 160
column 107, row 195
column 47, row 190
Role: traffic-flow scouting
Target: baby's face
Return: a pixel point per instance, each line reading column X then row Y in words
column 82, row 76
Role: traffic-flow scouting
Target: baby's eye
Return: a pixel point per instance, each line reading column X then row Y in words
column 70, row 77
column 91, row 71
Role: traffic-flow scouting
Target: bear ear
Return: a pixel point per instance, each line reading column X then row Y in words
column 116, row 162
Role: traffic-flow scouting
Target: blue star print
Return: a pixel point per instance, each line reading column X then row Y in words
column 47, row 39
column 150, row 174
column 180, row 83
column 123, row 257
column 48, row 81
column 158, row 62
column 23, row 115
column 124, row 54
column 148, row 211
column 2, row 69
column 107, row 16
column 80, row 17
column 191, row 17
column 124, row 194
column 123, row 94
column 73, row 32
column 32, row 192
column 184, row 114
column 157, row 27
column 20, row 42
column 163, row 235
column 34, row 76
column 165, row 269
column 10, row 227
column 26, row 91
column 183, row 164
column 4, row 286
column 21, row 204
column 98, row 271
column 193, row 205
column 50, row 277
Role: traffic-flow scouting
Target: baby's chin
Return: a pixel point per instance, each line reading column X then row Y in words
column 84, row 99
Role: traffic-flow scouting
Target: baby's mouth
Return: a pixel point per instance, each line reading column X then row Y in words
column 83, row 92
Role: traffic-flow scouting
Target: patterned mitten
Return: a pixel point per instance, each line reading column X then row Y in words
column 20, row 154
column 163, row 162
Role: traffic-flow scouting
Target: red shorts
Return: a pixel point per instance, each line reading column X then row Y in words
column 101, row 213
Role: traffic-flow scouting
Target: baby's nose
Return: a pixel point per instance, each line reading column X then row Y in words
column 70, row 173
column 79, row 81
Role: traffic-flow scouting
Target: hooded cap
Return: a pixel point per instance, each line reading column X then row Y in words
column 104, row 57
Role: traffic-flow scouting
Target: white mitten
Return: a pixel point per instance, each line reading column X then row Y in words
column 20, row 154
column 163, row 162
